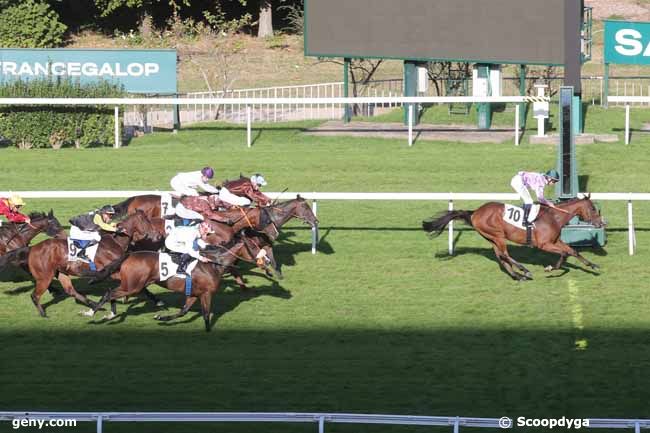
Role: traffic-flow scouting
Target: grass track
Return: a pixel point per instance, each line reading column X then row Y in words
column 380, row 321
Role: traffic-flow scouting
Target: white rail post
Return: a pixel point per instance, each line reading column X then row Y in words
column 631, row 236
column 457, row 425
column 321, row 424
column 517, row 125
column 627, row 123
column 99, row 424
column 117, row 127
column 450, row 228
column 637, row 427
column 314, row 230
column 410, row 125
column 248, row 125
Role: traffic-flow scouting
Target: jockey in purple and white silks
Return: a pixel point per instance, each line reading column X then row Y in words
column 535, row 181
column 188, row 183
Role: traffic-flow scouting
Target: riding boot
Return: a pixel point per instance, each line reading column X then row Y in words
column 527, row 224
column 182, row 265
column 82, row 252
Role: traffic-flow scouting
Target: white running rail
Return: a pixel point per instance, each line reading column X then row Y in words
column 388, row 196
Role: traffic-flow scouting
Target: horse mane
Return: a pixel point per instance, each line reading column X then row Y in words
column 37, row 215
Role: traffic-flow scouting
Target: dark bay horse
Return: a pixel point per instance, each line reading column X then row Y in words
column 49, row 258
column 140, row 269
column 14, row 236
column 488, row 221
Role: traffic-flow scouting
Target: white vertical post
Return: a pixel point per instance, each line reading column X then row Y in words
column 248, row 125
column 517, row 125
column 631, row 236
column 637, row 427
column 99, row 424
column 410, row 125
column 450, row 228
column 627, row 123
column 457, row 425
column 117, row 127
column 314, row 230
column 321, row 425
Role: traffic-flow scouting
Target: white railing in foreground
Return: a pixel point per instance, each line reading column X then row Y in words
column 315, row 196
column 248, row 102
column 319, row 419
column 627, row 100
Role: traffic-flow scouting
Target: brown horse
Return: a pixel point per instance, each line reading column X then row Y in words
column 140, row 269
column 268, row 219
column 488, row 221
column 14, row 236
column 49, row 258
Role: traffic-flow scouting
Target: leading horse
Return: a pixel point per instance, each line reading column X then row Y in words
column 488, row 221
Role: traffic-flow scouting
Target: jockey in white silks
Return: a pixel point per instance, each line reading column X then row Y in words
column 535, row 181
column 186, row 241
column 187, row 183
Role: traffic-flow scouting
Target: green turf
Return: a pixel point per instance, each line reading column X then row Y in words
column 381, row 320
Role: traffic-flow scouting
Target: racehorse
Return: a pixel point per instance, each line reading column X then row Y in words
column 268, row 219
column 140, row 269
column 488, row 221
column 14, row 236
column 49, row 258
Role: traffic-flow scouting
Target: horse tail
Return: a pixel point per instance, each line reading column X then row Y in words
column 107, row 271
column 122, row 207
column 435, row 225
column 17, row 257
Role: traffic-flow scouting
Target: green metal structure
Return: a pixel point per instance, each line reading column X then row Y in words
column 577, row 232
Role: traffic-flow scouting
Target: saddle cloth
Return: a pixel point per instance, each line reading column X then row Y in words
column 73, row 250
column 167, row 204
column 167, row 268
column 514, row 215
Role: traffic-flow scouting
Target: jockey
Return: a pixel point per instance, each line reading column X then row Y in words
column 84, row 228
column 204, row 206
column 250, row 188
column 186, row 242
column 535, row 181
column 187, row 183
column 10, row 208
column 185, row 216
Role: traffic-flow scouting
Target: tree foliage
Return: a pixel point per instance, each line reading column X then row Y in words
column 29, row 24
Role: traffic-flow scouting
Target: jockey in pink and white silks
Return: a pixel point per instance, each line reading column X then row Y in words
column 535, row 181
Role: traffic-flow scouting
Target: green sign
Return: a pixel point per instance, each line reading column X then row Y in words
column 139, row 71
column 627, row 43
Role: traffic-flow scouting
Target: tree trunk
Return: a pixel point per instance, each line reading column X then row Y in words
column 266, row 20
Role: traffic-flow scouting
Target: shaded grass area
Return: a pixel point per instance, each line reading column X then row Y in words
column 381, row 320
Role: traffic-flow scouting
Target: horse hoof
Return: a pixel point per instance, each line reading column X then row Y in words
column 549, row 268
column 595, row 267
column 87, row 313
column 160, row 304
column 109, row 316
column 528, row 275
column 157, row 317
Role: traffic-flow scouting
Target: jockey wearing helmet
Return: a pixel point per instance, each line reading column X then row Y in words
column 187, row 183
column 249, row 188
column 186, row 241
column 84, row 228
column 535, row 181
column 10, row 208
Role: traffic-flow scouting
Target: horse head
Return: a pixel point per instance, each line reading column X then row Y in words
column 588, row 212
column 259, row 249
column 298, row 208
column 54, row 228
column 139, row 227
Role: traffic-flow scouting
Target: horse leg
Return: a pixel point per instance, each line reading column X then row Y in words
column 565, row 250
column 501, row 252
column 189, row 301
column 206, row 308
column 66, row 282
column 41, row 287
column 153, row 298
column 239, row 279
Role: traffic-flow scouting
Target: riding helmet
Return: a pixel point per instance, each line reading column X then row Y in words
column 108, row 209
column 207, row 172
column 552, row 174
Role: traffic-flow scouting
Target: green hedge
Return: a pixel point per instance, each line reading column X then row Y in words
column 57, row 126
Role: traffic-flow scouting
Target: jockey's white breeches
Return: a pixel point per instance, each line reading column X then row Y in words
column 230, row 198
column 84, row 235
column 183, row 212
column 180, row 247
column 517, row 184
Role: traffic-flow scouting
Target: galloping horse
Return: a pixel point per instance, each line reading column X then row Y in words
column 488, row 221
column 268, row 219
column 14, row 236
column 140, row 269
column 49, row 258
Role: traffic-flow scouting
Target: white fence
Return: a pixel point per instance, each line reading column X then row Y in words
column 627, row 100
column 318, row 419
column 450, row 198
column 248, row 103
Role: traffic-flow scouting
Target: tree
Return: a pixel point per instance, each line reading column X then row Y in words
column 107, row 7
column 265, row 22
column 361, row 72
